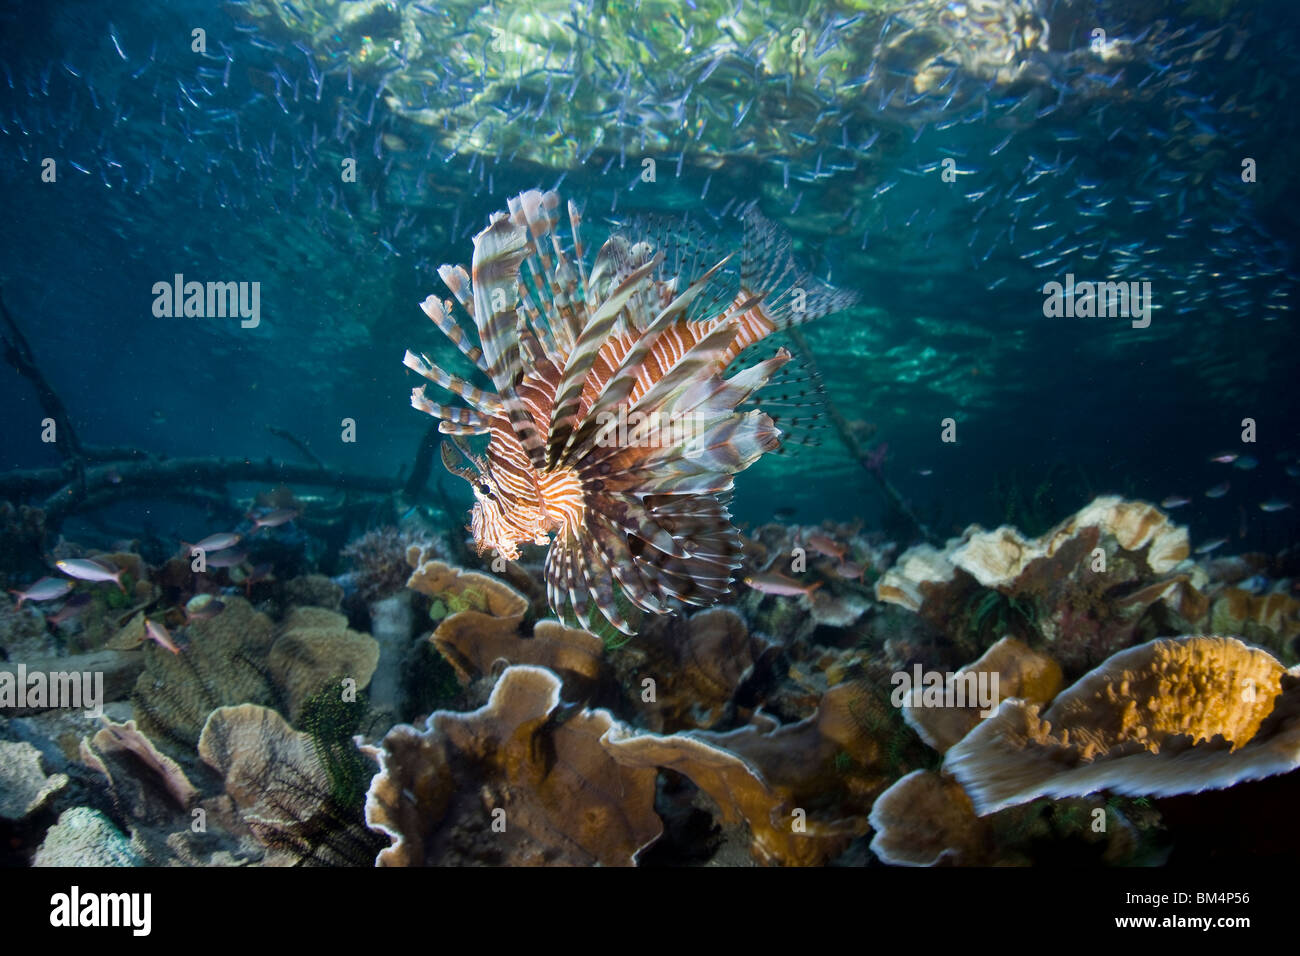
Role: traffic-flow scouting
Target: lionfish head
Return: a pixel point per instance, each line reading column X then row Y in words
column 487, row 521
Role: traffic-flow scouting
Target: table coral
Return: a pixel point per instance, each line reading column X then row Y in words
column 1171, row 716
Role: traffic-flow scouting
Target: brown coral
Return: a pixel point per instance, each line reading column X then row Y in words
column 1020, row 671
column 475, row 650
column 697, row 663
column 786, row 784
column 314, row 648
column 547, row 791
column 925, row 819
column 1270, row 619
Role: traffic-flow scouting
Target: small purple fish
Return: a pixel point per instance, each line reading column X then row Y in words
column 850, row 570
column 216, row 542
column 87, row 569
column 1175, row 501
column 158, row 634
column 274, row 519
column 46, row 589
column 773, row 582
column 1227, row 458
column 1218, row 491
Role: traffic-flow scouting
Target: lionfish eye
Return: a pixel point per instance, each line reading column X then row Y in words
column 484, row 489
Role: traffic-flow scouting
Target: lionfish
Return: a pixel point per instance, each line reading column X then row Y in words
column 574, row 355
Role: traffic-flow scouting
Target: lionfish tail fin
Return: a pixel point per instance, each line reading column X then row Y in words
column 795, row 399
column 791, row 296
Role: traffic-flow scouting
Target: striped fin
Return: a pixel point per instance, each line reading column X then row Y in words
column 498, row 251
column 481, row 400
column 436, row 310
column 790, row 296
column 450, row 428
column 700, row 360
column 794, row 398
column 448, row 413
column 568, row 397
column 625, row 379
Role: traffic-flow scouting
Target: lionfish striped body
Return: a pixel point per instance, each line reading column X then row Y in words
column 574, row 357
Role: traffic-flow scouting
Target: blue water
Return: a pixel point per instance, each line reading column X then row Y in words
column 225, row 165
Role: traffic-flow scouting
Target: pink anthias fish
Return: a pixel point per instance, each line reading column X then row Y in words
column 828, row 546
column 216, row 542
column 1175, row 501
column 273, row 519
column 773, row 582
column 46, row 589
column 851, row 571
column 158, row 634
column 88, row 569
column 1227, row 458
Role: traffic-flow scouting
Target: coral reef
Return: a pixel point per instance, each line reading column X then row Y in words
column 1084, row 589
column 85, row 837
column 240, row 657
column 282, row 791
column 24, row 786
column 1171, row 716
column 697, row 664
column 545, row 786
column 552, row 772
column 378, row 558
column 1021, row 672
column 316, row 648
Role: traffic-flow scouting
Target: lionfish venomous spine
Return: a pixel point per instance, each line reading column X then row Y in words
column 574, row 354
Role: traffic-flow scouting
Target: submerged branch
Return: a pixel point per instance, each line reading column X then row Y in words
column 19, row 354
column 855, row 447
column 107, row 484
column 297, row 443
